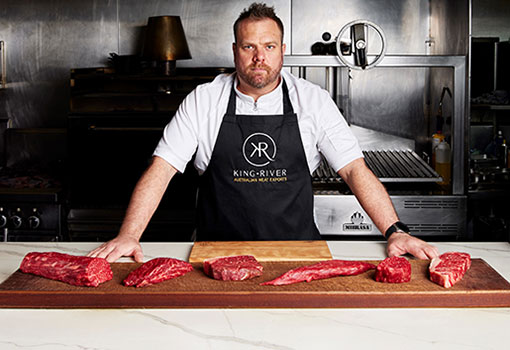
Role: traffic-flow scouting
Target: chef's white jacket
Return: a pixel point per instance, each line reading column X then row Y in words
column 197, row 122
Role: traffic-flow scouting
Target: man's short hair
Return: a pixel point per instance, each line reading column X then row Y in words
column 258, row 11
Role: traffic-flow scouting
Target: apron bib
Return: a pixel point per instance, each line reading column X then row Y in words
column 257, row 185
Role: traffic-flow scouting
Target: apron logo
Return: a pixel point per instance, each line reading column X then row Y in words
column 259, row 149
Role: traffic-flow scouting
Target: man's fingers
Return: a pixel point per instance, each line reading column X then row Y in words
column 420, row 254
column 105, row 252
column 93, row 253
column 138, row 255
column 112, row 252
column 394, row 250
column 402, row 244
column 423, row 250
column 113, row 255
column 390, row 252
column 117, row 248
column 431, row 252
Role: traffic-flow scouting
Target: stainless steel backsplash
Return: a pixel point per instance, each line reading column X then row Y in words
column 45, row 39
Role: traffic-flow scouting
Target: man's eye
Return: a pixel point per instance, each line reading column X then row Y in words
column 247, row 47
column 270, row 47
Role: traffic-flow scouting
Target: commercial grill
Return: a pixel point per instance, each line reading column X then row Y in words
column 394, row 133
column 388, row 166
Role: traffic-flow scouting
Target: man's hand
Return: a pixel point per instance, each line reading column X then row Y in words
column 118, row 247
column 401, row 243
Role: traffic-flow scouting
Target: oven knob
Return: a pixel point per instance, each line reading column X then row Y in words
column 3, row 218
column 33, row 221
column 16, row 221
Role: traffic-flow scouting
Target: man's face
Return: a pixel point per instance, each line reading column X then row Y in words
column 258, row 53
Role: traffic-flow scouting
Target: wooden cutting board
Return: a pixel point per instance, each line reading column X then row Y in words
column 482, row 286
column 262, row 250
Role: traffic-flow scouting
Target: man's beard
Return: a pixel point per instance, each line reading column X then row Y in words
column 255, row 79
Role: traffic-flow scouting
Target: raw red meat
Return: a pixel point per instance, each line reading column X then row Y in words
column 75, row 270
column 324, row 269
column 449, row 268
column 233, row 268
column 393, row 270
column 157, row 270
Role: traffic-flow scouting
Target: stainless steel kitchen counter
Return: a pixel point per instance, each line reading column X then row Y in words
column 475, row 328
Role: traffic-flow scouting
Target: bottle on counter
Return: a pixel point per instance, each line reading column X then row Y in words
column 501, row 149
column 443, row 162
column 503, row 155
column 507, row 158
column 436, row 140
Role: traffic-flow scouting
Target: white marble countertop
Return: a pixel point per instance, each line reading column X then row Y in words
column 477, row 328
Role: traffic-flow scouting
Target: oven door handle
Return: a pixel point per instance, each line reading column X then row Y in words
column 106, row 128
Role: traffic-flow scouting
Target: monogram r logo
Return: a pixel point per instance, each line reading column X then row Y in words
column 259, row 149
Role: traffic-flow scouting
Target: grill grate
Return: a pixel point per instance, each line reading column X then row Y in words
column 388, row 166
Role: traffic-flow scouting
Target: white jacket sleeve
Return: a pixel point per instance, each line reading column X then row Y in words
column 180, row 136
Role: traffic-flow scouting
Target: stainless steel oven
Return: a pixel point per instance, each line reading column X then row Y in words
column 28, row 215
column 32, row 193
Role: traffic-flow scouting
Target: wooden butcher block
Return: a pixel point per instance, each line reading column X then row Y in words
column 482, row 286
column 262, row 250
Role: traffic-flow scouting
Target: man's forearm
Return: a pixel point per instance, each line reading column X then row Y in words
column 146, row 197
column 371, row 194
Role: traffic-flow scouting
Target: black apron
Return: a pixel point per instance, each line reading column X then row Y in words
column 257, row 185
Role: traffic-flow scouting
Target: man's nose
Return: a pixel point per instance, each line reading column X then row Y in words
column 258, row 55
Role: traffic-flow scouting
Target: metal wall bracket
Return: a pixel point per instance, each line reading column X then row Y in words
column 3, row 70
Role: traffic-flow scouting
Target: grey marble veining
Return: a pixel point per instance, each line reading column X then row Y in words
column 260, row 344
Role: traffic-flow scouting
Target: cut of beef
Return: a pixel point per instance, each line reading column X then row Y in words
column 233, row 268
column 393, row 270
column 157, row 270
column 449, row 268
column 75, row 270
column 324, row 269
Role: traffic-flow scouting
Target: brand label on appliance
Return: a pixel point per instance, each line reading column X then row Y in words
column 356, row 224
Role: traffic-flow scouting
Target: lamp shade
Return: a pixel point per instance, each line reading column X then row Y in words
column 165, row 39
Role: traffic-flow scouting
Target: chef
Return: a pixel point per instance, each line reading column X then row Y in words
column 258, row 134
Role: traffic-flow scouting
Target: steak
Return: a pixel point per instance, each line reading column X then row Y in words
column 449, row 268
column 321, row 270
column 75, row 270
column 393, row 270
column 157, row 270
column 233, row 268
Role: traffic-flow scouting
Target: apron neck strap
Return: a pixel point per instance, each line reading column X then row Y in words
column 287, row 105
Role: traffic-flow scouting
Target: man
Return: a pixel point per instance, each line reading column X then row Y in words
column 258, row 134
